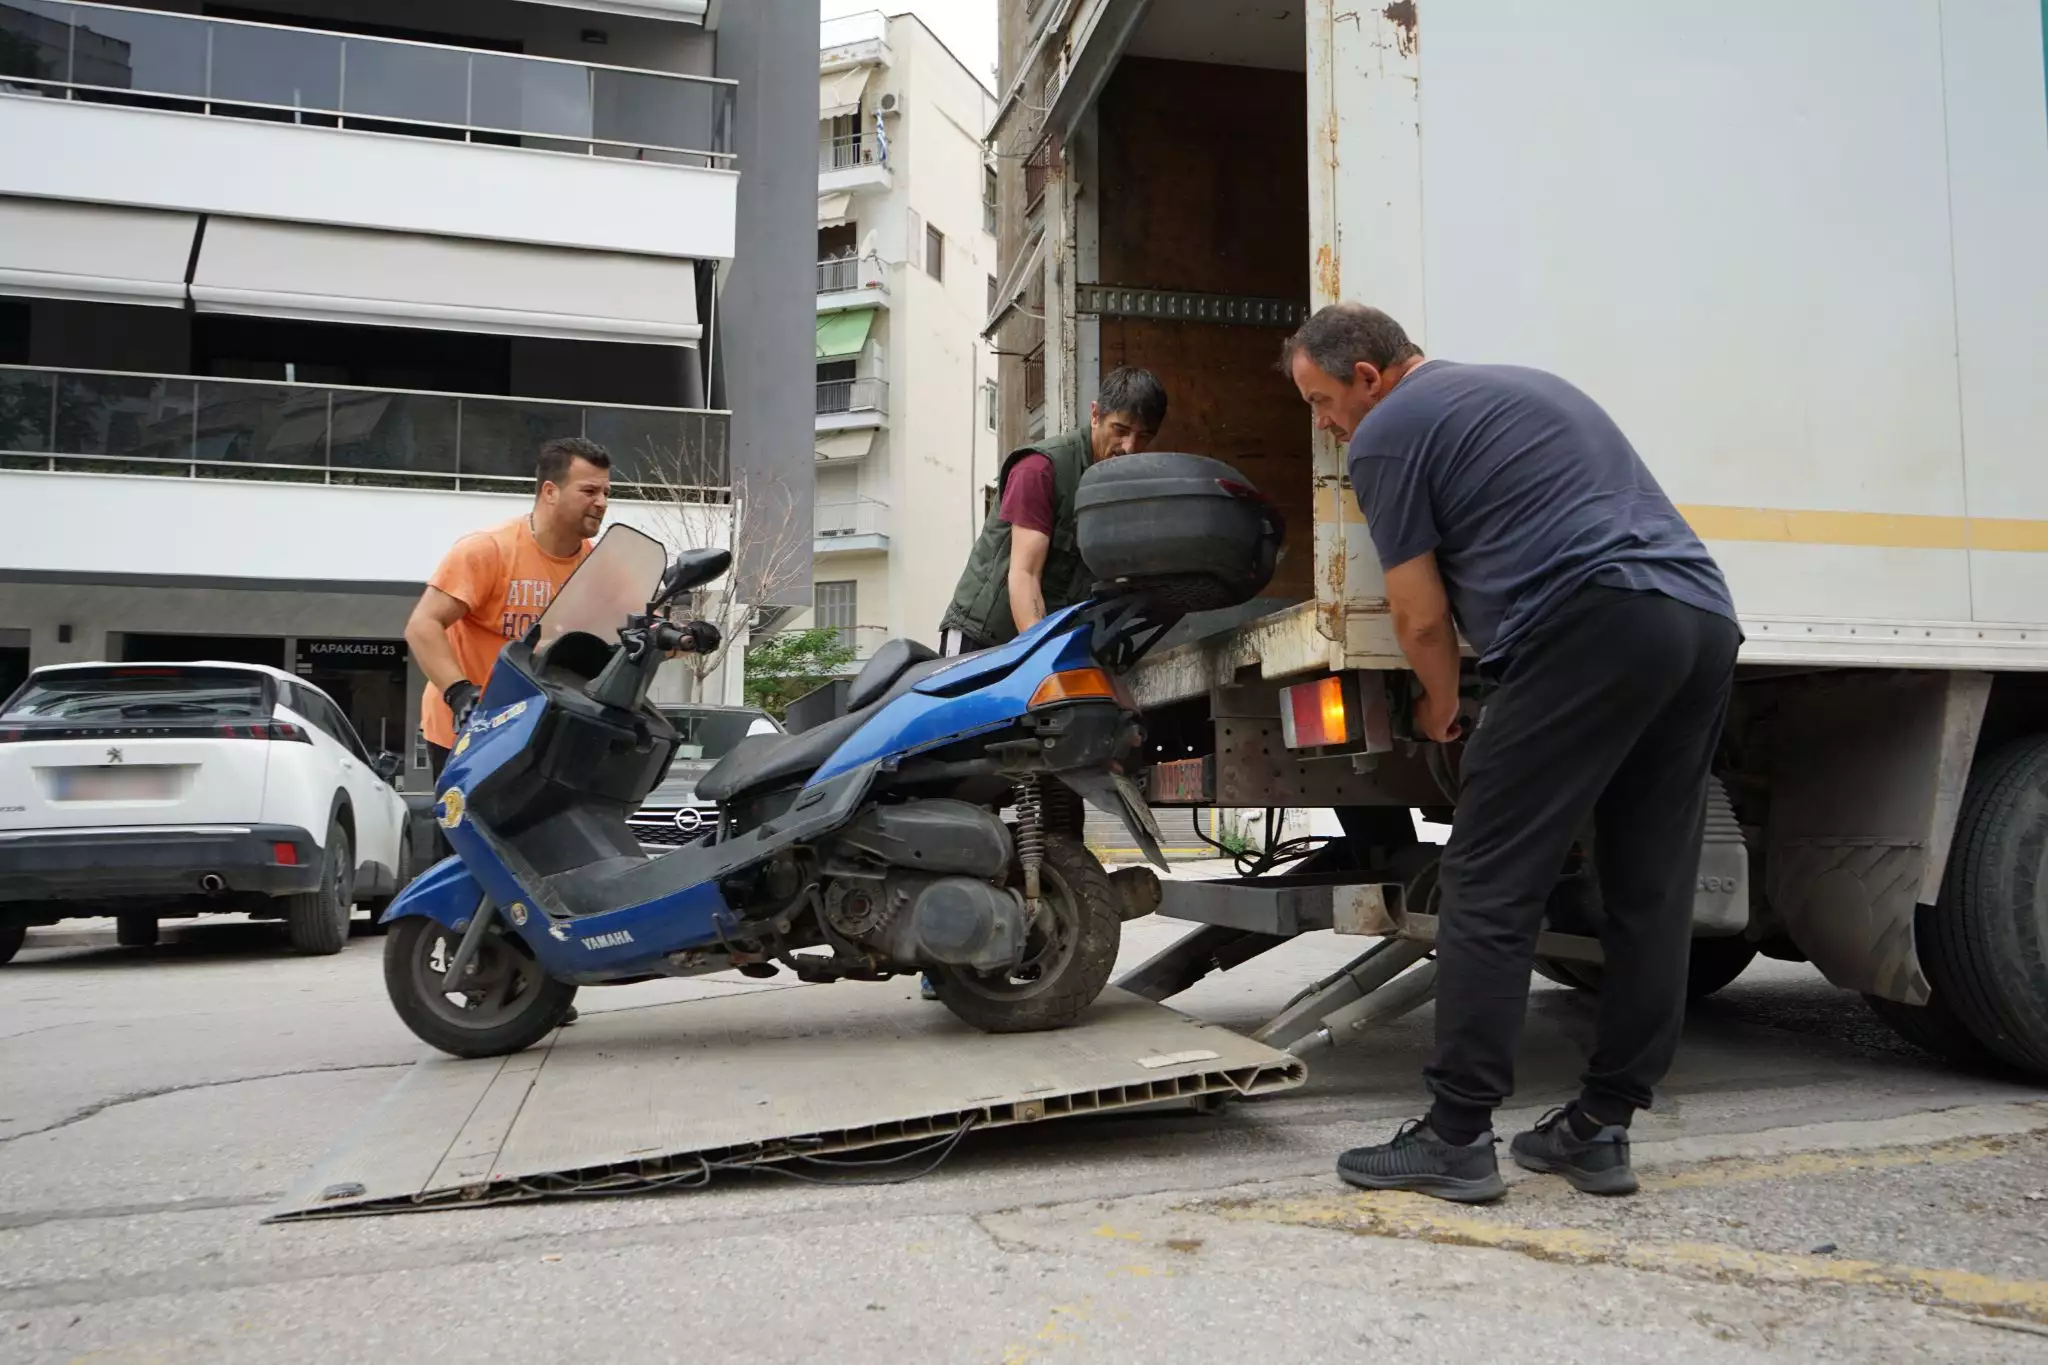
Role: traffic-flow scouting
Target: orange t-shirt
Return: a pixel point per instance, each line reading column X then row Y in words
column 506, row 580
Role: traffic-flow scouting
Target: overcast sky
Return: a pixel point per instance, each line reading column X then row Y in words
column 968, row 27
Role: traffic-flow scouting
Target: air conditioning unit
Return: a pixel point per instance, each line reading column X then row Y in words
column 886, row 104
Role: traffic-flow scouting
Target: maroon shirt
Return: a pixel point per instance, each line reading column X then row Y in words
column 1028, row 494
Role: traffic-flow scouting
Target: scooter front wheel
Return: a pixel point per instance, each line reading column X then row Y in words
column 1068, row 954
column 507, row 1002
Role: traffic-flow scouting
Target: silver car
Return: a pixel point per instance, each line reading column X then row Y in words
column 673, row 816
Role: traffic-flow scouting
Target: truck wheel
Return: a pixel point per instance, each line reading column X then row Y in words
column 510, row 1002
column 1985, row 946
column 135, row 931
column 1067, row 959
column 317, row 921
column 12, row 936
column 1932, row 1027
column 1715, row 962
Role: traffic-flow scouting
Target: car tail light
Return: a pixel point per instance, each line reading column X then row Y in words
column 1316, row 715
column 282, row 730
column 1075, row 684
column 284, row 855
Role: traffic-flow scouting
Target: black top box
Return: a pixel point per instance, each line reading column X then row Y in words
column 1187, row 532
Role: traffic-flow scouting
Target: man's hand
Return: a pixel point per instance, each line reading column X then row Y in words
column 1028, row 549
column 1437, row 717
column 461, row 696
column 1429, row 639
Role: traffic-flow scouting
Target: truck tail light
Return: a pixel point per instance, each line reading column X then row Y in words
column 1317, row 715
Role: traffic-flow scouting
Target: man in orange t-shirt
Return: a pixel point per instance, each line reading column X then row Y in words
column 495, row 584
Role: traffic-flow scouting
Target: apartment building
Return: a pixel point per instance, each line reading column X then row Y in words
column 906, row 252
column 292, row 291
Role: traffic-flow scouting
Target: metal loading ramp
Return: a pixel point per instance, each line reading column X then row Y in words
column 661, row 1096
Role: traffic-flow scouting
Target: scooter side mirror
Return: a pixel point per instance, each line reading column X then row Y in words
column 692, row 569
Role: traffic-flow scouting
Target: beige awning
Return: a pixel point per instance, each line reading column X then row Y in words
column 839, row 92
column 841, row 446
column 834, row 209
column 57, row 249
column 396, row 279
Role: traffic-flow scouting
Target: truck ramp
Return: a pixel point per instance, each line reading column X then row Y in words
column 664, row 1096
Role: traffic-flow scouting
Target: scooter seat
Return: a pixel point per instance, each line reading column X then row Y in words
column 772, row 760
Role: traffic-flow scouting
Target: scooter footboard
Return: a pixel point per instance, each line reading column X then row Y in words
column 445, row 892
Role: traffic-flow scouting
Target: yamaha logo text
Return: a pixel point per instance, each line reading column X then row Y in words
column 617, row 939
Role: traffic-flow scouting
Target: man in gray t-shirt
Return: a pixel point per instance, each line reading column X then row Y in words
column 1505, row 503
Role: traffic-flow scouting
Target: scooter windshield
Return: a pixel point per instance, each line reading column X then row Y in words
column 607, row 589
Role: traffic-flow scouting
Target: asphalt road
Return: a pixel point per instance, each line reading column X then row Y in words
column 1814, row 1189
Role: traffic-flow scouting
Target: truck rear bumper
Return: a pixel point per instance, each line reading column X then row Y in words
column 82, row 866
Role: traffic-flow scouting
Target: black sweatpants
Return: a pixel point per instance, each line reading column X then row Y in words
column 437, row 759
column 1614, row 708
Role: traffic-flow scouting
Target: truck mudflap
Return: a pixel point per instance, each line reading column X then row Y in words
column 445, row 892
column 1119, row 796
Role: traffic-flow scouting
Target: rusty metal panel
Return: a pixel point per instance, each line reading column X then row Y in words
column 1372, row 910
column 1255, row 768
column 1183, row 782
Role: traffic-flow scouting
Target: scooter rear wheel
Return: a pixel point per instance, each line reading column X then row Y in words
column 1067, row 957
column 508, row 1003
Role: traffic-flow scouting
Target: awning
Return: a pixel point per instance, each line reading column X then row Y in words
column 58, row 249
column 687, row 11
column 395, row 279
column 841, row 446
column 839, row 92
column 841, row 335
column 834, row 209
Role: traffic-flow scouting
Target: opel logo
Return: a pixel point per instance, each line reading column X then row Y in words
column 688, row 821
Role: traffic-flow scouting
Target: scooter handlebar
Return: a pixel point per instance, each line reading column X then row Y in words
column 693, row 637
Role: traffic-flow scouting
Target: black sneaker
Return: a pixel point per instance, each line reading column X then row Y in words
column 1418, row 1160
column 1597, row 1165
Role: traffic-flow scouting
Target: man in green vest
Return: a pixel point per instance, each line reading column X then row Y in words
column 1026, row 562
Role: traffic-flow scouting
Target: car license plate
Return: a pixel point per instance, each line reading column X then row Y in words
column 114, row 784
column 1135, row 799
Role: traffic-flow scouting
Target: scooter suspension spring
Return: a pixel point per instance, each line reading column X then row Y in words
column 1030, row 838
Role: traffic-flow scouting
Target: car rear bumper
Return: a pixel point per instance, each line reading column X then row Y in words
column 146, row 862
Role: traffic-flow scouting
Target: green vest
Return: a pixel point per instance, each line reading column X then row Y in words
column 981, row 604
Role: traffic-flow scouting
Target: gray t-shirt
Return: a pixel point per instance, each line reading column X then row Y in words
column 1527, row 492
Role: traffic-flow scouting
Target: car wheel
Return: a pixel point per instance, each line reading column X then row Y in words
column 317, row 920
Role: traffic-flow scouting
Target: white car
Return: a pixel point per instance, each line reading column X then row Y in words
column 148, row 790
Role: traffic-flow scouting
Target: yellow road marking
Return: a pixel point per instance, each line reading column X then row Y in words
column 1415, row 1216
column 1750, row 1170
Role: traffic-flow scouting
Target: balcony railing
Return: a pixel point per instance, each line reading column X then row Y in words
column 859, row 517
column 148, row 59
column 845, row 153
column 838, row 277
column 837, row 396
column 101, row 422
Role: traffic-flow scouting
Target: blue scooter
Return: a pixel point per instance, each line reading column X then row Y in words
column 866, row 847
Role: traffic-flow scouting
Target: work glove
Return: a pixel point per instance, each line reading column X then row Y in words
column 701, row 637
column 461, row 697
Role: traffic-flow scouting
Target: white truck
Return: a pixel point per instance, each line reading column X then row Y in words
column 1801, row 255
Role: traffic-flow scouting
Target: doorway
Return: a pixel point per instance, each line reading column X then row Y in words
column 367, row 679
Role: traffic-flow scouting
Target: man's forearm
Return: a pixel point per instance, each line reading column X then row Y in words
column 1027, row 601
column 435, row 656
column 1431, row 648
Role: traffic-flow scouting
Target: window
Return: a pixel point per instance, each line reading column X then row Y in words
column 835, row 386
column 934, row 252
column 988, row 401
column 1034, row 379
column 992, row 296
column 834, row 607
column 988, row 199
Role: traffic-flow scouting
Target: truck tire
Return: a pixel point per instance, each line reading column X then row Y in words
column 1063, row 972
column 1932, row 1027
column 1985, row 945
column 317, row 921
column 515, row 1005
column 1715, row 962
column 12, row 936
column 136, row 931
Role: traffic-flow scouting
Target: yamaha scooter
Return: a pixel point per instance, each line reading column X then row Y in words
column 868, row 846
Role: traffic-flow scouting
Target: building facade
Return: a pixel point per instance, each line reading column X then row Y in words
column 906, row 251
column 291, row 293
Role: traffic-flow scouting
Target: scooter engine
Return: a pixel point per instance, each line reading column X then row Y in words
column 926, row 921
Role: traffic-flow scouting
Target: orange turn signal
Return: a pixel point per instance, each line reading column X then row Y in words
column 1076, row 684
column 1313, row 715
